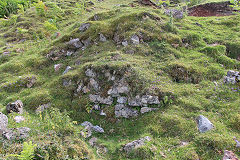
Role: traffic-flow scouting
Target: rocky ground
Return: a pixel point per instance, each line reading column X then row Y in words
column 121, row 80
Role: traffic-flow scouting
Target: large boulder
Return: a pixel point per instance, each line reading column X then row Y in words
column 204, row 124
column 15, row 107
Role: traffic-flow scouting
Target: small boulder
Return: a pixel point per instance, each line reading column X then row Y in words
column 204, row 124
column 84, row 27
column 122, row 100
column 94, row 84
column 90, row 73
column 74, row 44
column 3, row 122
column 57, row 67
column 15, row 107
column 135, row 39
column 125, row 43
column 102, row 38
column 67, row 70
column 19, row 119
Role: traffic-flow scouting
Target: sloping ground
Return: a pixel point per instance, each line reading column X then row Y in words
column 117, row 50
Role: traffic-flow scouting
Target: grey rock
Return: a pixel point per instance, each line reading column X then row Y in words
column 229, row 155
column 94, row 98
column 125, row 43
column 119, row 87
column 90, row 73
column 102, row 38
column 136, row 144
column 232, row 73
column 57, row 67
column 86, row 43
column 102, row 113
column 97, row 129
column 74, row 44
column 15, row 107
column 96, row 107
column 84, row 27
column 108, row 100
column 135, row 39
column 93, row 141
column 85, row 89
column 94, row 84
column 122, row 111
column 178, row 14
column 42, row 107
column 3, row 122
column 87, row 124
column 147, row 109
column 67, row 70
column 122, row 100
column 229, row 80
column 137, row 101
column 80, row 87
column 204, row 124
column 67, row 83
column 31, row 81
column 69, row 52
column 147, row 99
column 16, row 134
column 19, row 119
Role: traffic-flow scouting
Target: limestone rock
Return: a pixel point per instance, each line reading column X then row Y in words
column 136, row 144
column 3, row 122
column 102, row 113
column 122, row 111
column 229, row 155
column 232, row 77
column 57, row 67
column 146, row 109
column 19, row 119
column 125, row 43
column 89, row 126
column 137, row 101
column 122, row 100
column 84, row 27
column 101, row 100
column 15, row 107
column 178, row 14
column 102, row 38
column 204, row 124
column 94, row 84
column 90, row 73
column 74, row 44
column 97, row 129
column 67, row 70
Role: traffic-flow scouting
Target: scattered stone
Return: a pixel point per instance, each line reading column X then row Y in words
column 204, row 124
column 94, row 84
column 146, row 109
column 57, row 67
column 86, row 43
column 122, row 100
column 67, row 70
column 98, row 129
column 136, row 144
column 3, row 122
column 85, row 90
column 89, row 126
column 125, row 43
column 90, row 73
column 15, row 107
column 229, row 155
column 232, row 77
column 102, row 38
column 93, row 98
column 102, row 113
column 120, row 87
column 67, row 83
column 16, row 134
column 80, row 87
column 74, row 44
column 19, row 119
column 135, row 39
column 178, row 14
column 31, row 81
column 122, row 111
column 41, row 108
column 84, row 27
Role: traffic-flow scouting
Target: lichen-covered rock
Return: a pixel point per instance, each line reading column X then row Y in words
column 204, row 124
column 90, row 73
column 3, row 122
column 84, row 27
column 19, row 119
column 147, row 109
column 137, row 101
column 136, row 144
column 135, row 39
column 74, row 44
column 91, row 127
column 148, row 99
column 122, row 111
column 98, row 129
column 16, row 133
column 122, row 100
column 119, row 87
column 102, row 38
column 15, row 107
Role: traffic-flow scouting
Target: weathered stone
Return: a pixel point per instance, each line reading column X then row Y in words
column 3, row 122
column 93, row 141
column 108, row 100
column 15, row 107
column 85, row 89
column 67, row 83
column 16, row 134
column 122, row 100
column 94, row 84
column 89, row 126
column 122, row 111
column 229, row 80
column 19, row 119
column 147, row 99
column 90, row 73
column 75, row 44
column 86, row 43
column 229, row 155
column 42, row 107
column 135, row 39
column 136, row 144
column 84, row 27
column 125, row 43
column 86, row 123
column 178, row 14
column 146, row 109
column 102, row 113
column 69, row 52
column 80, row 86
column 94, row 98
column 102, row 38
column 232, row 73
column 97, row 129
column 57, row 67
column 137, row 101
column 31, row 81
column 204, row 124
column 67, row 70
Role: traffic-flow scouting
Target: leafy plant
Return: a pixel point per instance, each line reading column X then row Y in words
column 235, row 4
column 40, row 8
column 27, row 152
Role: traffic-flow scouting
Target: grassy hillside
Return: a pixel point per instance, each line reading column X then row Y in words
column 182, row 61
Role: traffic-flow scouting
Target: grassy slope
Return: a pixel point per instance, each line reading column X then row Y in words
column 156, row 62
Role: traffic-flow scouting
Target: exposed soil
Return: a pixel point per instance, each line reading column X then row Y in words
column 211, row 9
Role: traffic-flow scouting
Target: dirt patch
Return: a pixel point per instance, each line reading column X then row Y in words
column 211, row 9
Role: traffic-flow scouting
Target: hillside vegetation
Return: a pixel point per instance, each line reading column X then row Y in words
column 109, row 62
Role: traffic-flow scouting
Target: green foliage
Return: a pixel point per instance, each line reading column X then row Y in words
column 40, row 8
column 50, row 25
column 235, row 4
column 27, row 152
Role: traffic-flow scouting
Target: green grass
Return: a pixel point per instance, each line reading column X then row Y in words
column 182, row 64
